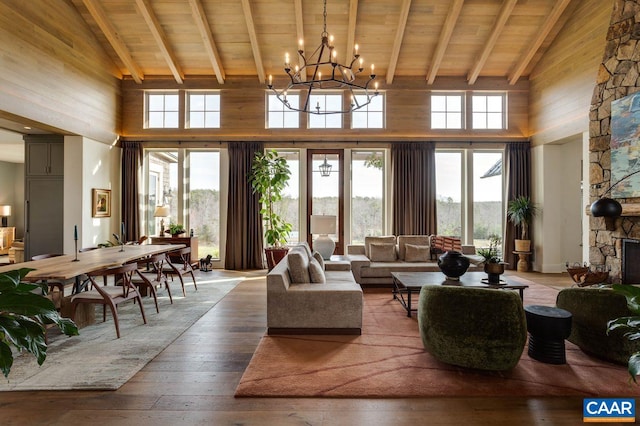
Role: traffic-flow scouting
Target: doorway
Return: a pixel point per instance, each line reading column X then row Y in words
column 325, row 193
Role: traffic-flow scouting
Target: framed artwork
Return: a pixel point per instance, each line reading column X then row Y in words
column 101, row 202
column 625, row 145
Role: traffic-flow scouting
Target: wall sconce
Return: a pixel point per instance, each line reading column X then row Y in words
column 323, row 225
column 325, row 168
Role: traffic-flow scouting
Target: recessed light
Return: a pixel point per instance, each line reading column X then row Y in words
column 27, row 128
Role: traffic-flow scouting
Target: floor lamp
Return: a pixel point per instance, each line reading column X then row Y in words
column 323, row 225
column 161, row 212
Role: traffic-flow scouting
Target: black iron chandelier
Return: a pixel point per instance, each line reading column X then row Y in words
column 326, row 74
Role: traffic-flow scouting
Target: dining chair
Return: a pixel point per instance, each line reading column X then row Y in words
column 179, row 263
column 150, row 276
column 110, row 295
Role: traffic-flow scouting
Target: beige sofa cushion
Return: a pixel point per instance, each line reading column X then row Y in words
column 416, row 240
column 377, row 240
column 317, row 256
column 382, row 252
column 316, row 273
column 298, row 262
column 415, row 253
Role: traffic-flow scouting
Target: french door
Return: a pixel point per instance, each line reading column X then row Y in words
column 325, row 194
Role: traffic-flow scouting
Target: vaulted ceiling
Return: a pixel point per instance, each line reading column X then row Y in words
column 417, row 38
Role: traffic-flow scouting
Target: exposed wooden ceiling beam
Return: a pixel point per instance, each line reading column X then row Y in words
column 202, row 23
column 161, row 39
column 98, row 14
column 297, row 5
column 351, row 30
column 397, row 42
column 498, row 26
column 544, row 31
column 443, row 41
column 251, row 28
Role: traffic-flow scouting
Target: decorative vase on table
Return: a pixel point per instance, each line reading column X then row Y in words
column 453, row 264
column 494, row 270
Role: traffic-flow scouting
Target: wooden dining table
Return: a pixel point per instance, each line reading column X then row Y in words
column 70, row 266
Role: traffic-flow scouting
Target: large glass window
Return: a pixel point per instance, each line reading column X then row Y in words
column 161, row 110
column 488, row 111
column 449, row 193
column 370, row 116
column 281, row 117
column 289, row 206
column 447, row 111
column 162, row 186
column 469, row 191
column 325, row 103
column 367, row 195
column 203, row 110
column 204, row 200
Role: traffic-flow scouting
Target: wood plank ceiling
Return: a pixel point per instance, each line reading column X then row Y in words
column 415, row 38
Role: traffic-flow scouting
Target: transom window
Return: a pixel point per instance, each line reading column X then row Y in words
column 488, row 111
column 447, row 111
column 162, row 109
column 203, row 110
column 326, row 103
column 281, row 117
column 370, row 116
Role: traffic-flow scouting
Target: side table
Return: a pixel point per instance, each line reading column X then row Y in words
column 548, row 326
column 337, row 262
column 523, row 260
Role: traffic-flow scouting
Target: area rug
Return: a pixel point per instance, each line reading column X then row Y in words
column 389, row 360
column 97, row 360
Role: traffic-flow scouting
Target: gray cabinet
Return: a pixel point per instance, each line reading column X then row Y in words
column 44, row 194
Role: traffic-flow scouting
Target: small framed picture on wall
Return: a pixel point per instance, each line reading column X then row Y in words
column 101, row 202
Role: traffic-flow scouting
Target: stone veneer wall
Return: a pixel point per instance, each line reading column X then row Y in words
column 618, row 76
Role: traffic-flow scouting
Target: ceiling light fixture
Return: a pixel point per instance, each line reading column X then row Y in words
column 326, row 74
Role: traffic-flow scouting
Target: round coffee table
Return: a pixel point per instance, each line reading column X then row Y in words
column 548, row 326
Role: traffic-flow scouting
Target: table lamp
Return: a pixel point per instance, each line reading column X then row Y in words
column 4, row 212
column 323, row 225
column 161, row 212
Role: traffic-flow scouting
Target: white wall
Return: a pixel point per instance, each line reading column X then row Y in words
column 557, row 172
column 88, row 165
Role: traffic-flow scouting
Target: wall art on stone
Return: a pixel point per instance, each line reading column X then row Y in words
column 625, row 145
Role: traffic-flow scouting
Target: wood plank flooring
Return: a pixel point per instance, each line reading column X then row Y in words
column 193, row 381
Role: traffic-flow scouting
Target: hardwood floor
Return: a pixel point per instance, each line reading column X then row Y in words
column 194, row 379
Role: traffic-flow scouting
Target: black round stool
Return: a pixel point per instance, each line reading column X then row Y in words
column 548, row 326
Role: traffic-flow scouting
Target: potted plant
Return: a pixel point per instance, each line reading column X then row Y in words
column 24, row 314
column 629, row 325
column 175, row 229
column 520, row 212
column 269, row 176
column 493, row 264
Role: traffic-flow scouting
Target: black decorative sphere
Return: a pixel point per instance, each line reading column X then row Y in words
column 606, row 207
column 453, row 264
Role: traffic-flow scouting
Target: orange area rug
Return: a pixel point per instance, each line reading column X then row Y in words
column 388, row 360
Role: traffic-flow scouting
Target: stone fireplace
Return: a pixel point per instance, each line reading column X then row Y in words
column 618, row 76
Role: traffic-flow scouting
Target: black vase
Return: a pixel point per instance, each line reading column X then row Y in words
column 453, row 264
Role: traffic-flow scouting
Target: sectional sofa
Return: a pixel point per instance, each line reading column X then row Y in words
column 373, row 261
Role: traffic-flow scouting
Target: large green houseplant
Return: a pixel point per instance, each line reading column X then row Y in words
column 24, row 314
column 629, row 325
column 269, row 176
column 521, row 212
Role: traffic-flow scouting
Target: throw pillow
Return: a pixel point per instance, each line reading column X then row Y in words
column 382, row 252
column 298, row 266
column 415, row 253
column 319, row 258
column 315, row 272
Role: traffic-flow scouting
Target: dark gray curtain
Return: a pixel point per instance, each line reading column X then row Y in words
column 517, row 169
column 244, row 223
column 413, row 174
column 131, row 170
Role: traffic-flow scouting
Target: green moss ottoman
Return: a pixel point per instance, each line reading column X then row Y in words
column 592, row 308
column 472, row 327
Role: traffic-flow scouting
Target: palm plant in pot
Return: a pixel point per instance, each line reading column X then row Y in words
column 520, row 212
column 269, row 176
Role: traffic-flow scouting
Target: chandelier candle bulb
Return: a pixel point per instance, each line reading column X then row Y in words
column 270, row 80
column 355, row 50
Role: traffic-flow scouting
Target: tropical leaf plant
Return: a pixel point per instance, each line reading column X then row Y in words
column 520, row 212
column 25, row 311
column 629, row 325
